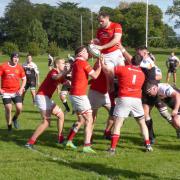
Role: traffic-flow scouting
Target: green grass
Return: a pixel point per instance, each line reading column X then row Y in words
column 53, row 162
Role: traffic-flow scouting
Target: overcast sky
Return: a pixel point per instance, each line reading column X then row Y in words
column 94, row 5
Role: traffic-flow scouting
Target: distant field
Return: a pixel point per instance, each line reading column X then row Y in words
column 52, row 161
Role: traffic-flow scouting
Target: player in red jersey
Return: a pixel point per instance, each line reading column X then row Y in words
column 108, row 39
column 46, row 105
column 11, row 73
column 130, row 80
column 81, row 69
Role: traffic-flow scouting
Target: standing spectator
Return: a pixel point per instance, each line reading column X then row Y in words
column 32, row 75
column 172, row 64
column 11, row 73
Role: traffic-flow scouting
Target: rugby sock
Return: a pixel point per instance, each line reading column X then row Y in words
column 71, row 135
column 60, row 138
column 87, row 144
column 147, row 142
column 114, row 140
column 31, row 141
column 149, row 124
column 66, row 106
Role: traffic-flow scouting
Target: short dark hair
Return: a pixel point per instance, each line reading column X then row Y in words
column 79, row 49
column 150, row 84
column 142, row 48
column 136, row 60
column 14, row 54
column 103, row 14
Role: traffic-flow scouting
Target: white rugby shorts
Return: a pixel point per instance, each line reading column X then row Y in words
column 44, row 102
column 80, row 103
column 98, row 99
column 114, row 58
column 128, row 105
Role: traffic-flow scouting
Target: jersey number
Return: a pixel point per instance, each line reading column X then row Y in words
column 134, row 79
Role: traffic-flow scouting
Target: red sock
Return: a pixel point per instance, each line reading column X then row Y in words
column 147, row 142
column 71, row 135
column 114, row 140
column 87, row 144
column 60, row 138
column 31, row 141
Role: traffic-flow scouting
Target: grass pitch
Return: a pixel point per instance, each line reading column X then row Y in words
column 51, row 161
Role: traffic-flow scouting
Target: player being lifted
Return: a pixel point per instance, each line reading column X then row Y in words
column 32, row 75
column 80, row 102
column 47, row 106
column 107, row 40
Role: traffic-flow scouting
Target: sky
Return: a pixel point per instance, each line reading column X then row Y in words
column 94, row 5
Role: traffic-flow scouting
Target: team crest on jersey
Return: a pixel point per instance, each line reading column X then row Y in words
column 16, row 71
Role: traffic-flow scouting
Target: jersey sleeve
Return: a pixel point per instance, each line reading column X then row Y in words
column 169, row 90
column 118, row 29
column 158, row 71
column 87, row 67
column 22, row 72
column 1, row 70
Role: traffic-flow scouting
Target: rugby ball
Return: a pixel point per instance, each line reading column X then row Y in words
column 93, row 50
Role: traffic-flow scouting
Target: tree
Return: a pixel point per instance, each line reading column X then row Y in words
column 18, row 15
column 174, row 12
column 37, row 34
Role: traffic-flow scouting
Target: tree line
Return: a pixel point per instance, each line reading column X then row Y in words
column 25, row 23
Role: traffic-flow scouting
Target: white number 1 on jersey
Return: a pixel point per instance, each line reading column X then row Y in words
column 134, row 79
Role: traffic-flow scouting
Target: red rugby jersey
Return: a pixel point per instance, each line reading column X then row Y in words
column 80, row 71
column 105, row 35
column 49, row 85
column 10, row 77
column 130, row 80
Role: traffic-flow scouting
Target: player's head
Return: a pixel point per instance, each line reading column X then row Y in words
column 103, row 19
column 14, row 58
column 82, row 52
column 136, row 60
column 59, row 64
column 29, row 58
column 142, row 51
column 151, row 89
column 172, row 54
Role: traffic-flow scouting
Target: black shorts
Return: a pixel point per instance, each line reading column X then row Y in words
column 172, row 70
column 111, row 111
column 50, row 63
column 31, row 85
column 17, row 99
column 153, row 101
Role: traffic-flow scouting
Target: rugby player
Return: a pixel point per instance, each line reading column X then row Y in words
column 130, row 80
column 80, row 102
column 169, row 95
column 47, row 106
column 152, row 74
column 107, row 40
column 32, row 76
column 11, row 73
column 172, row 64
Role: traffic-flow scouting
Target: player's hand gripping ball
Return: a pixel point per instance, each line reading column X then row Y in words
column 93, row 50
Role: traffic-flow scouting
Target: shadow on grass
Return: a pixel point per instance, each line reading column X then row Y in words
column 110, row 172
